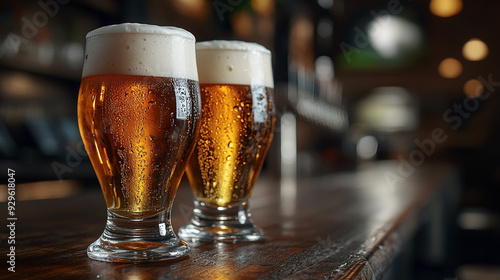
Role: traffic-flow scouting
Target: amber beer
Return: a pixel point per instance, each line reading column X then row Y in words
column 133, row 133
column 138, row 113
column 235, row 134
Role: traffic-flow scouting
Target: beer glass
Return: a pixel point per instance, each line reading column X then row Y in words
column 237, row 122
column 138, row 113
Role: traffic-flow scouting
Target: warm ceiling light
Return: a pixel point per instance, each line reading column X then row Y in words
column 450, row 68
column 445, row 8
column 263, row 7
column 473, row 88
column 242, row 24
column 192, row 8
column 475, row 50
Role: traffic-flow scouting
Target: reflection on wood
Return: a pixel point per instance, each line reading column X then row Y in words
column 345, row 226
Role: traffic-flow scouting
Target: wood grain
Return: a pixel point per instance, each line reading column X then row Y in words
column 341, row 226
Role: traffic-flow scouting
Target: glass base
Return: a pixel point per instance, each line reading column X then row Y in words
column 225, row 224
column 137, row 240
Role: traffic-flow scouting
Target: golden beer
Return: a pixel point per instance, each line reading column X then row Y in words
column 233, row 142
column 237, row 123
column 132, row 132
column 138, row 113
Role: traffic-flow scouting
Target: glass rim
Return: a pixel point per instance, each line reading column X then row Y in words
column 140, row 28
column 231, row 45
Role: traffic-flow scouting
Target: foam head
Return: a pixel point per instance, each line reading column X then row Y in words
column 234, row 62
column 140, row 49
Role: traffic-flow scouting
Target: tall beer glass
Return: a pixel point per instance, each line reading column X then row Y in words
column 238, row 118
column 138, row 113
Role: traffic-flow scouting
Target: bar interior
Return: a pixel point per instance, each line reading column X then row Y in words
column 384, row 162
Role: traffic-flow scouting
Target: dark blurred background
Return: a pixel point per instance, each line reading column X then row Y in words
column 356, row 82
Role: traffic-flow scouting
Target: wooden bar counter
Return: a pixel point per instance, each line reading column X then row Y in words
column 348, row 225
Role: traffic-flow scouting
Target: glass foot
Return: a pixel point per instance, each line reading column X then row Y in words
column 225, row 224
column 137, row 240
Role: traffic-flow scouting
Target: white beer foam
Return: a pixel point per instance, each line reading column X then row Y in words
column 234, row 62
column 140, row 49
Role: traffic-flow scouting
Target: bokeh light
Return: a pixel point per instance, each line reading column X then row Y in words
column 445, row 8
column 450, row 68
column 367, row 147
column 393, row 36
column 263, row 7
column 473, row 88
column 475, row 50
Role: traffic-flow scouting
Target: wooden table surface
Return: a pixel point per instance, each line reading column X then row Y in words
column 341, row 226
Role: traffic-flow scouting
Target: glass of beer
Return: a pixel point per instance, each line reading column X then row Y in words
column 138, row 113
column 237, row 122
